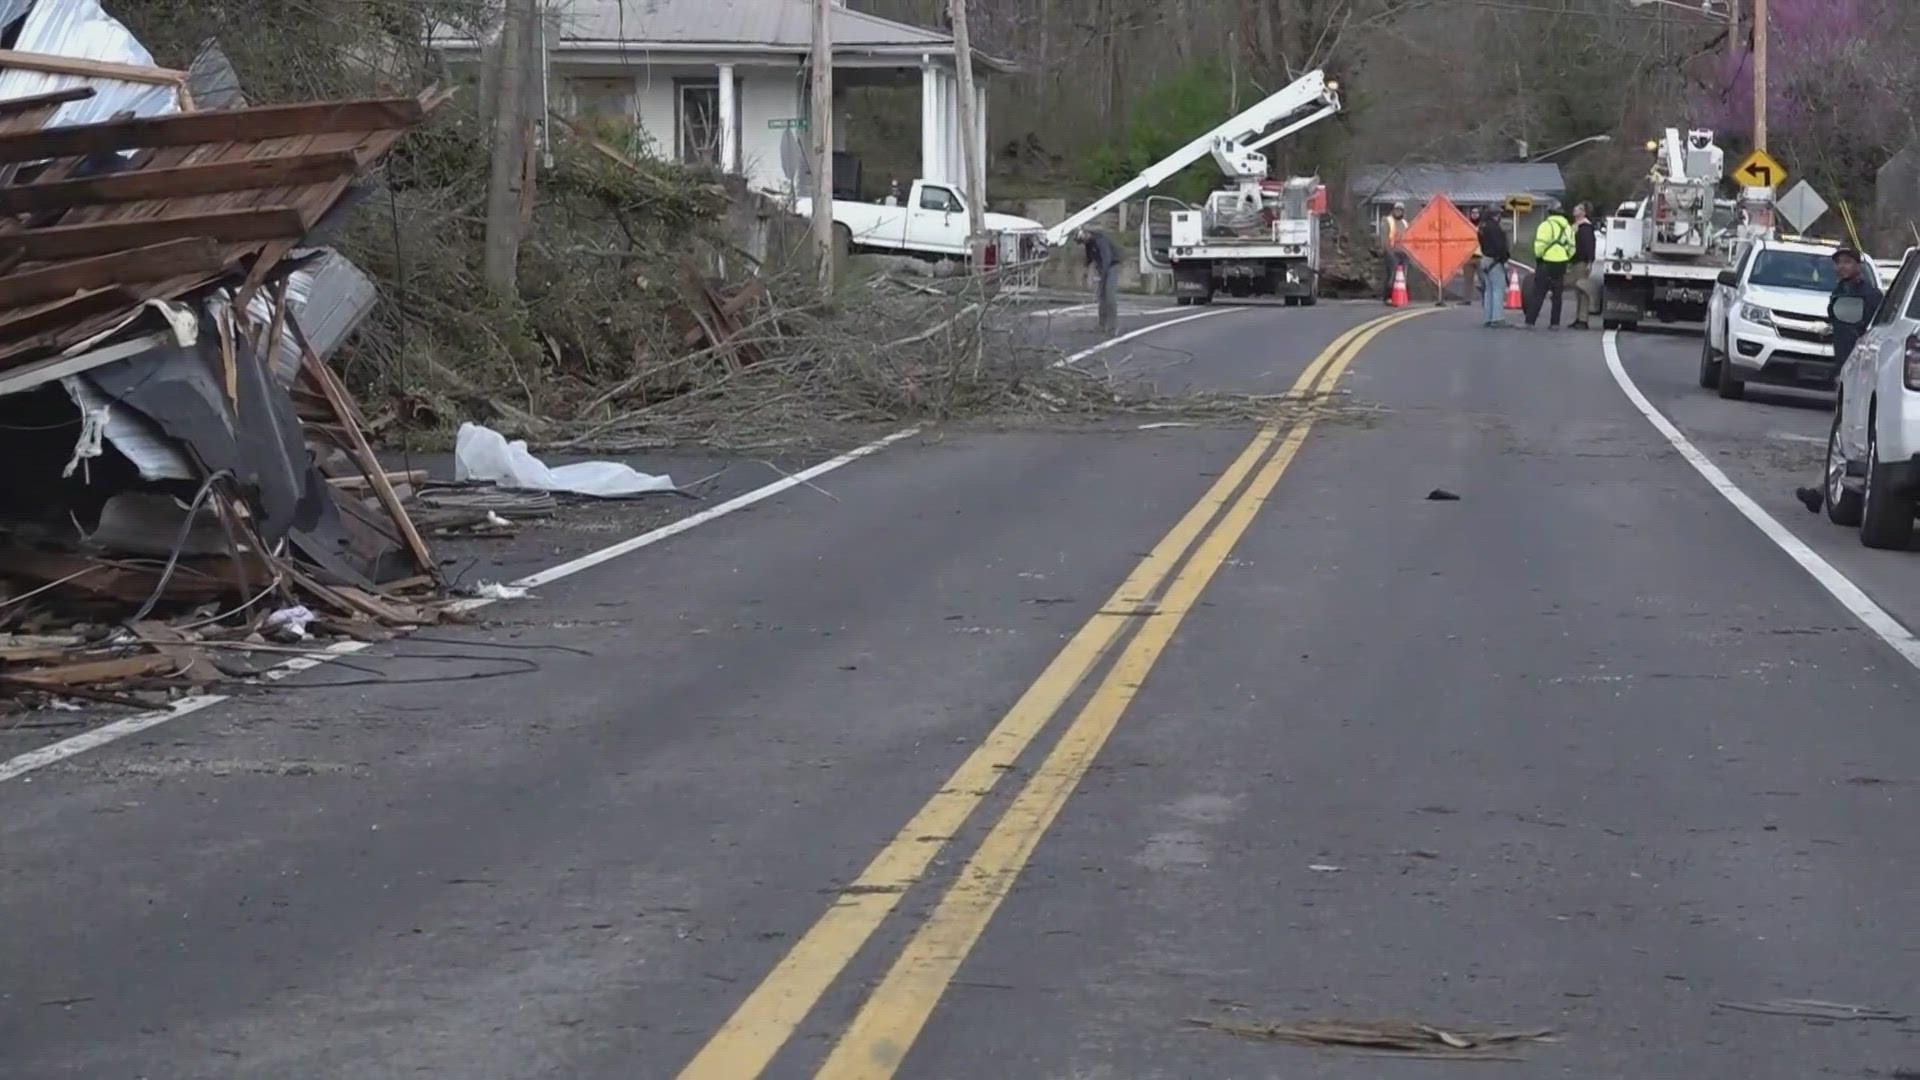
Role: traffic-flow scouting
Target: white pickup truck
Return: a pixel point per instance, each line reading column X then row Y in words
column 933, row 223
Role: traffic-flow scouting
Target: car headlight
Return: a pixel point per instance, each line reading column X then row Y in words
column 1756, row 314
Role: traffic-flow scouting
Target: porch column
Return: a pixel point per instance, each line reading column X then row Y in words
column 980, row 130
column 950, row 116
column 729, row 135
column 929, row 126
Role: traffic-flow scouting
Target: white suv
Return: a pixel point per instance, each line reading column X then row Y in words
column 1767, row 319
column 1873, row 449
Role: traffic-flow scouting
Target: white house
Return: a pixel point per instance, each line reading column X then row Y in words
column 724, row 81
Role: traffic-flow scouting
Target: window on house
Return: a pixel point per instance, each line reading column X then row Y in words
column 698, row 122
column 602, row 99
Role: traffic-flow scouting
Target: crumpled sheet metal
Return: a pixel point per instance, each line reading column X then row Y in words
column 82, row 29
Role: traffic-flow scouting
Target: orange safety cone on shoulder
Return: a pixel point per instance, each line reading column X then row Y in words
column 1514, row 303
column 1399, row 298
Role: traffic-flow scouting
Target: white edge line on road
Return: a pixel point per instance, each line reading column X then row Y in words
column 1069, row 361
column 76, row 745
column 1851, row 596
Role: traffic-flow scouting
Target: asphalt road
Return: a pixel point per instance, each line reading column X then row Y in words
column 1009, row 753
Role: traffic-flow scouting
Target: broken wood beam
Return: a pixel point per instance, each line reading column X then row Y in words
column 226, row 125
column 109, row 236
column 369, row 462
column 118, row 669
column 15, row 106
column 415, row 477
column 41, row 317
column 55, row 64
column 153, row 262
column 180, row 181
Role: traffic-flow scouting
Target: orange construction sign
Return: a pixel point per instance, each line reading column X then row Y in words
column 1440, row 240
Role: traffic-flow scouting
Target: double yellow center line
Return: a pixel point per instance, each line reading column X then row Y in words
column 887, row 1025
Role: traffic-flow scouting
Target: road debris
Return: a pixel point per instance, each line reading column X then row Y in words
column 1391, row 1037
column 1812, row 498
column 483, row 455
column 1442, row 495
column 1325, row 868
column 184, row 472
column 493, row 590
column 1811, row 1009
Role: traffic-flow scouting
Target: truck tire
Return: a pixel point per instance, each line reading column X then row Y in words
column 1710, row 362
column 1843, row 503
column 842, row 240
column 1886, row 507
column 1730, row 385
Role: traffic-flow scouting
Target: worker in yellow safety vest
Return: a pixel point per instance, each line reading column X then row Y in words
column 1553, row 249
column 1393, row 230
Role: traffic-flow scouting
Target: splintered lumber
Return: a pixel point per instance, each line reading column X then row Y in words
column 227, row 125
column 92, row 69
column 119, row 669
column 16, row 106
column 154, row 262
column 109, row 236
column 369, row 462
column 42, row 318
column 180, row 181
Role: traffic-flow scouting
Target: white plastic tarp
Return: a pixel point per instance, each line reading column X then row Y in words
column 484, row 455
column 81, row 29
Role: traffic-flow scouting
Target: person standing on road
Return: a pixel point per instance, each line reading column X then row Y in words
column 1393, row 229
column 1103, row 259
column 1846, row 262
column 1846, row 334
column 1553, row 249
column 1495, row 255
column 1582, row 269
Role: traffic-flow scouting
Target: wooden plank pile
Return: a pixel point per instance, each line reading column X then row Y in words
column 111, row 235
column 97, row 219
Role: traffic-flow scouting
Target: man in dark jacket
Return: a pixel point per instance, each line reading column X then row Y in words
column 1495, row 254
column 1853, row 283
column 1103, row 258
column 1580, row 274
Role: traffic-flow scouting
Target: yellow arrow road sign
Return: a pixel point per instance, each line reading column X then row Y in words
column 1758, row 169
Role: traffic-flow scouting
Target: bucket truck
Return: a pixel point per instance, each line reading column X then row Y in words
column 1253, row 237
column 1661, row 256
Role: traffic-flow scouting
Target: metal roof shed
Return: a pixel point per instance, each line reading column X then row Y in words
column 723, row 81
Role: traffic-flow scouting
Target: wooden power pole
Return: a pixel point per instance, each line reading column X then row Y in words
column 1760, row 74
column 976, row 180
column 512, row 148
column 820, row 125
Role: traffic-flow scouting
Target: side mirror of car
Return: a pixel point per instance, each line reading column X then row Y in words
column 1729, row 278
column 1851, row 310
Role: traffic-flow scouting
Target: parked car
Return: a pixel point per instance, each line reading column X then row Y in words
column 933, row 223
column 1873, row 447
column 1767, row 318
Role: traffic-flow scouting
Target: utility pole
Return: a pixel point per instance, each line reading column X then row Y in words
column 1760, row 74
column 1733, row 29
column 820, row 124
column 508, row 177
column 970, row 154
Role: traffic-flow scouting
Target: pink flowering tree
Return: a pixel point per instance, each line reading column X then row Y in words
column 1837, row 104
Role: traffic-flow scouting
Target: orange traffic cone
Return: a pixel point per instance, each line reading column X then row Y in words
column 1399, row 297
column 1514, row 303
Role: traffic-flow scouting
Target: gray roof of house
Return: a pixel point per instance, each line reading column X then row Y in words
column 1489, row 183
column 776, row 23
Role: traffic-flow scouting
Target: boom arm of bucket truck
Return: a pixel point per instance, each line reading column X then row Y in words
column 1235, row 145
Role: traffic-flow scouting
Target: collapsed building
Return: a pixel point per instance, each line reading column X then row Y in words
column 174, row 440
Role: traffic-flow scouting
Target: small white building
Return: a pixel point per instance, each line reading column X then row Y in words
column 724, row 82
